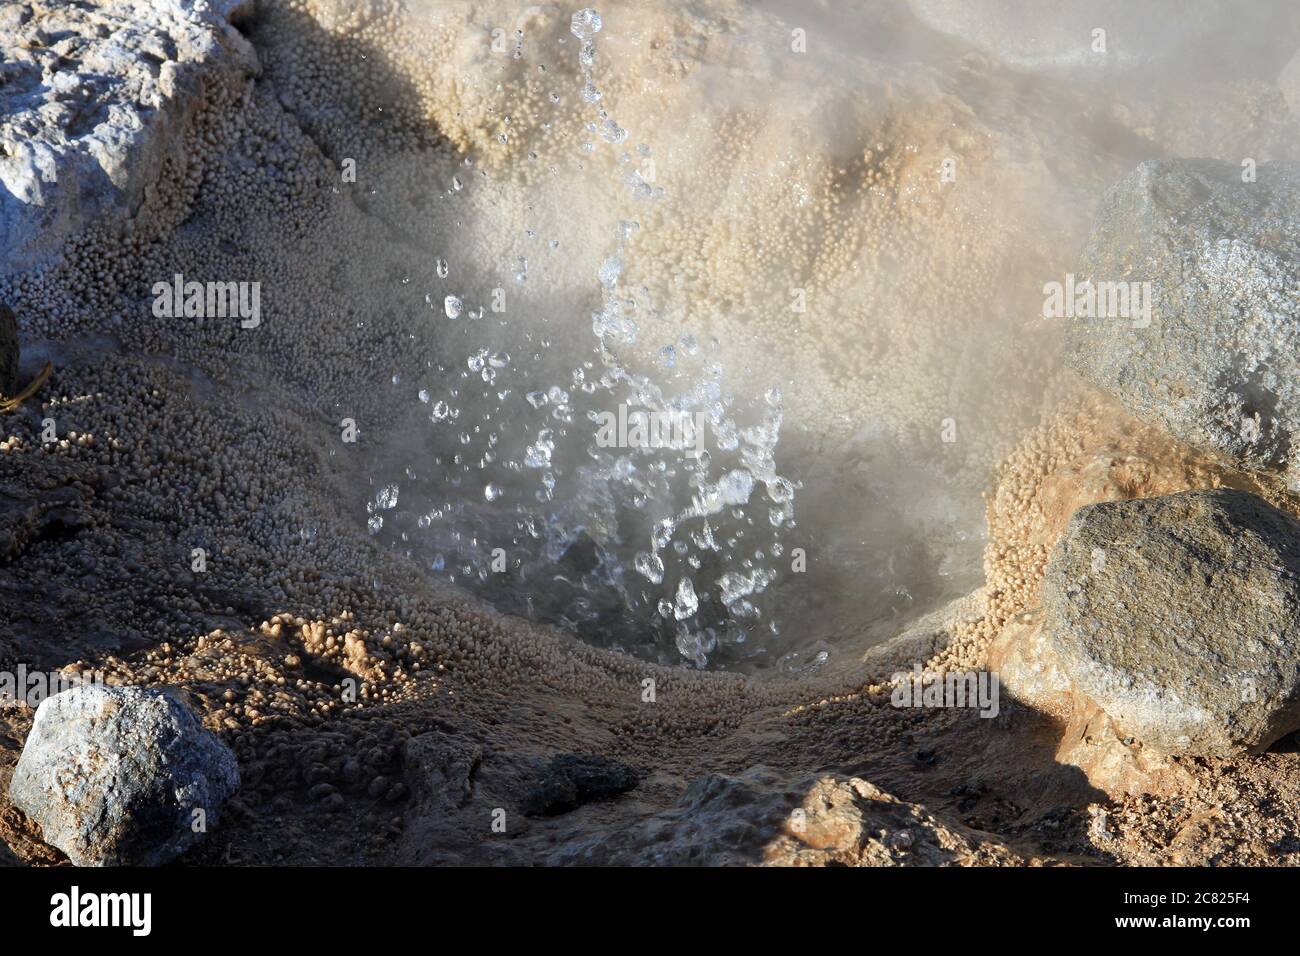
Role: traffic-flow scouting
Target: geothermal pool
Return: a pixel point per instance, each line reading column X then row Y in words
column 615, row 434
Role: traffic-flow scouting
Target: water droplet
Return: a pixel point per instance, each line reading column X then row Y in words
column 650, row 566
column 687, row 602
column 610, row 270
column 585, row 24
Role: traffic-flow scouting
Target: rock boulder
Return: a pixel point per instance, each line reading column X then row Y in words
column 1218, row 363
column 95, row 101
column 1180, row 617
column 117, row 776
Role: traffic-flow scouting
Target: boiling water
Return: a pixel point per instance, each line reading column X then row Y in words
column 742, row 413
column 644, row 510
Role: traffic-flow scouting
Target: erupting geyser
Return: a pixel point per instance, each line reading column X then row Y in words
column 889, row 402
column 643, row 509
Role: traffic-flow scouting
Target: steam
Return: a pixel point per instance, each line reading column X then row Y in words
column 666, row 535
column 588, row 273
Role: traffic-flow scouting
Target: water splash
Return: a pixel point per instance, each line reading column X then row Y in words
column 642, row 509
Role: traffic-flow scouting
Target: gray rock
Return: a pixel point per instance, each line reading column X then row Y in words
column 8, row 352
column 1180, row 617
column 95, row 101
column 1055, row 37
column 114, row 775
column 1218, row 365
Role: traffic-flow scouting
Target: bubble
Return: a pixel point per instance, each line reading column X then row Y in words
column 735, row 487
